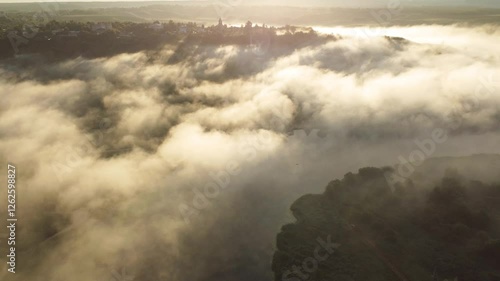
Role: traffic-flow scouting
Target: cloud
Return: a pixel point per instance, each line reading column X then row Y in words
column 109, row 148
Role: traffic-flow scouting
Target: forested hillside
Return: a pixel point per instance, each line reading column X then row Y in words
column 375, row 231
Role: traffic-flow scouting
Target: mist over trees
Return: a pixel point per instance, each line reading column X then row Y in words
column 444, row 232
column 115, row 136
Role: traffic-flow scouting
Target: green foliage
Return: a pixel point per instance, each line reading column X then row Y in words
column 450, row 231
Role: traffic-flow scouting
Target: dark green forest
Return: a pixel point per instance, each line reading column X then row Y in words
column 449, row 231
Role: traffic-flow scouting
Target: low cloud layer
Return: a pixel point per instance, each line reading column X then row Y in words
column 114, row 153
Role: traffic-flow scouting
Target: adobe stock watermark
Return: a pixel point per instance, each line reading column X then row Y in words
column 221, row 180
column 260, row 43
column 384, row 17
column 224, row 7
column 407, row 165
column 309, row 265
column 48, row 11
column 488, row 85
column 72, row 157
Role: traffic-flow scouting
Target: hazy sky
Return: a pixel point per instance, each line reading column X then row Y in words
column 360, row 3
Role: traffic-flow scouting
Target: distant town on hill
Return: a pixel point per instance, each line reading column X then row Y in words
column 95, row 39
